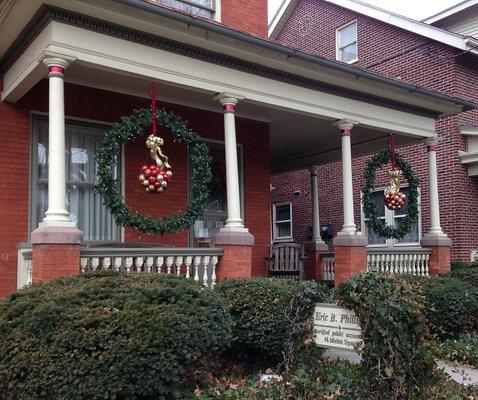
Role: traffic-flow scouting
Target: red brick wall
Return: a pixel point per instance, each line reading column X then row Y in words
column 249, row 16
column 402, row 55
column 93, row 104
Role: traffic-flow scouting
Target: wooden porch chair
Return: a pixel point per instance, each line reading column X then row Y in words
column 286, row 261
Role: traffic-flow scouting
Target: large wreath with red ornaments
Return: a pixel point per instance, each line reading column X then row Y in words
column 394, row 199
column 155, row 175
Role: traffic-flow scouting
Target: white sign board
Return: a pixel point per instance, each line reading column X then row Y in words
column 336, row 327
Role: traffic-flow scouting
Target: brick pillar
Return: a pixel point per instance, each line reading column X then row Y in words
column 56, row 252
column 350, row 256
column 313, row 266
column 236, row 261
column 440, row 246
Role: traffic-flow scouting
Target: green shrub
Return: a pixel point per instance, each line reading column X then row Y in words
column 451, row 306
column 467, row 273
column 396, row 363
column 109, row 336
column 463, row 350
column 270, row 317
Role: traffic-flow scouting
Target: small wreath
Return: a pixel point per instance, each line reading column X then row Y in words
column 107, row 186
column 370, row 208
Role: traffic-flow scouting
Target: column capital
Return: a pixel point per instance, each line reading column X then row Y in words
column 228, row 98
column 345, row 124
column 432, row 143
column 313, row 170
column 56, row 62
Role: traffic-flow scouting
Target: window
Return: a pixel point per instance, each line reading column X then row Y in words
column 346, row 43
column 200, row 8
column 391, row 217
column 83, row 203
column 282, row 221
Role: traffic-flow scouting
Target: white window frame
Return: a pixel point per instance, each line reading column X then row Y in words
column 390, row 219
column 33, row 178
column 275, row 237
column 337, row 41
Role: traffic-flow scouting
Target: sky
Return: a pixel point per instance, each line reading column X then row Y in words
column 417, row 9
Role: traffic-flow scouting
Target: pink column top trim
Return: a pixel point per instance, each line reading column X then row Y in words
column 228, row 107
column 432, row 147
column 345, row 131
column 56, row 69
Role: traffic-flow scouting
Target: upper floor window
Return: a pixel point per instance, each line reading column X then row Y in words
column 282, row 221
column 391, row 217
column 200, row 8
column 346, row 43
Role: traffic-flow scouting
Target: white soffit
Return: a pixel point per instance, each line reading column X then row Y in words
column 450, row 11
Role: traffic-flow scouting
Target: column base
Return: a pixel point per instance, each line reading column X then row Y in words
column 313, row 265
column 236, row 261
column 350, row 256
column 440, row 244
column 56, row 252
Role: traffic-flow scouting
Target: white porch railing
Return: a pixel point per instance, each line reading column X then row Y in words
column 193, row 263
column 398, row 261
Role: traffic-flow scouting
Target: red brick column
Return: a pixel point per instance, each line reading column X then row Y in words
column 56, row 253
column 313, row 264
column 440, row 245
column 350, row 256
column 236, row 261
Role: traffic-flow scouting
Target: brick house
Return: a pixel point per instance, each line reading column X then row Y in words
column 69, row 70
column 440, row 54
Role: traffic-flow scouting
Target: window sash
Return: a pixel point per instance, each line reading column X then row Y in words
column 83, row 202
column 201, row 8
column 281, row 222
column 391, row 218
column 343, row 44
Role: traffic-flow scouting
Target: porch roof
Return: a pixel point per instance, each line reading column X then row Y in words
column 120, row 45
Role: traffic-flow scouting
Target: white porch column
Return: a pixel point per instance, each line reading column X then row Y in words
column 435, row 226
column 315, row 205
column 349, row 227
column 56, row 215
column 234, row 220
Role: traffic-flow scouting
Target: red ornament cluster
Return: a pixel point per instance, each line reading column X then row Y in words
column 153, row 179
column 394, row 201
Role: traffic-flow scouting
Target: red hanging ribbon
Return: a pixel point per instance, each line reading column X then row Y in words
column 154, row 127
column 391, row 145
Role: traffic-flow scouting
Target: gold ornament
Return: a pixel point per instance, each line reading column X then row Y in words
column 154, row 143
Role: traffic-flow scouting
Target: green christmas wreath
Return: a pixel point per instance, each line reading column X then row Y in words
column 107, row 186
column 370, row 208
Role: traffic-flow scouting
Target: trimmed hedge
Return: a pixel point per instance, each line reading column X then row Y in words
column 270, row 317
column 396, row 363
column 451, row 306
column 109, row 336
column 465, row 272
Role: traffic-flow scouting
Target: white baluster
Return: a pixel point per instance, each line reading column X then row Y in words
column 369, row 261
column 214, row 261
column 427, row 258
column 83, row 264
column 128, row 264
column 139, row 263
column 159, row 265
column 95, row 261
column 117, row 264
column 169, row 264
column 106, row 263
column 197, row 262
column 149, row 264
column 394, row 264
column 29, row 266
column 416, row 264
column 401, row 266
column 188, row 260
column 178, row 263
column 204, row 276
